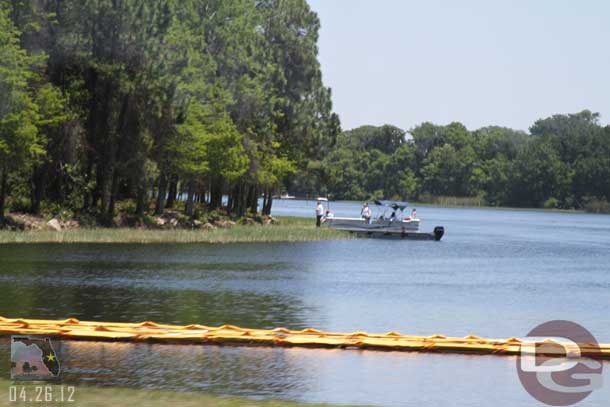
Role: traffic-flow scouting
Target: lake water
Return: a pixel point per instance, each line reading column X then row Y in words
column 496, row 273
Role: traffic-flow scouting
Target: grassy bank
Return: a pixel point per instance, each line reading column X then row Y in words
column 288, row 229
column 102, row 397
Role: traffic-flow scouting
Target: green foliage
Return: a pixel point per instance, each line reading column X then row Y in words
column 596, row 205
column 104, row 101
column 134, row 98
column 19, row 139
column 564, row 163
column 551, row 203
column 539, row 174
column 366, row 138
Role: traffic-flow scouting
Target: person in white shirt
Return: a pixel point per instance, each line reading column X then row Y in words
column 414, row 214
column 366, row 212
column 319, row 213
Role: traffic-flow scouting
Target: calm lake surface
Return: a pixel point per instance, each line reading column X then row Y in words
column 496, row 273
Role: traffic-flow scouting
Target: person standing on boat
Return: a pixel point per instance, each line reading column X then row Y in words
column 366, row 212
column 319, row 213
column 414, row 213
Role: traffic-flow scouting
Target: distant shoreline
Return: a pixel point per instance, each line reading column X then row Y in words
column 452, row 206
column 503, row 208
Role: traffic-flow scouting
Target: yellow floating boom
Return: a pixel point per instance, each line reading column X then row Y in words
column 73, row 329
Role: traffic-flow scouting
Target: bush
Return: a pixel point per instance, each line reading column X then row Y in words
column 19, row 204
column 87, row 220
column 51, row 210
column 127, row 206
column 593, row 204
column 551, row 203
column 149, row 221
column 378, row 194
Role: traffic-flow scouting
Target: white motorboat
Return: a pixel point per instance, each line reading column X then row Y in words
column 389, row 222
column 284, row 195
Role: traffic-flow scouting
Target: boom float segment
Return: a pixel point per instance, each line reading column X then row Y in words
column 73, row 329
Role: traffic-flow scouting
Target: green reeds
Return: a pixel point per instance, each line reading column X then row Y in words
column 286, row 230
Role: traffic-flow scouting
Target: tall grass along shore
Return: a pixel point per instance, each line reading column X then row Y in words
column 288, row 229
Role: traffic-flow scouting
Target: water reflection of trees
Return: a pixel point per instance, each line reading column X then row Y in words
column 38, row 282
column 132, row 305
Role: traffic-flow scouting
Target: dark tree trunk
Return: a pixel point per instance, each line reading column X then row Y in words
column 87, row 198
column 253, row 199
column 97, row 191
column 114, row 189
column 233, row 202
column 240, row 199
column 188, row 209
column 216, row 193
column 173, row 192
column 37, row 188
column 236, row 204
column 201, row 194
column 3, row 192
column 243, row 199
column 160, row 203
column 107, row 184
column 92, row 125
column 267, row 206
column 105, row 145
column 141, row 200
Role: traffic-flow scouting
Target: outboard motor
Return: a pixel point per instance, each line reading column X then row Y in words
column 439, row 231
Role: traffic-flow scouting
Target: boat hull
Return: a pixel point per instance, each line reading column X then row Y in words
column 361, row 225
column 437, row 234
column 381, row 228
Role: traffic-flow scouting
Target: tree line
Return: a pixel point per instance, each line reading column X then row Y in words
column 149, row 100
column 563, row 162
column 152, row 101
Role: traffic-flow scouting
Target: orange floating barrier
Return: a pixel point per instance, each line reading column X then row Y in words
column 73, row 329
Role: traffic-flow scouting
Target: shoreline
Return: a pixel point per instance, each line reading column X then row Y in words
column 505, row 208
column 287, row 230
column 466, row 206
column 457, row 206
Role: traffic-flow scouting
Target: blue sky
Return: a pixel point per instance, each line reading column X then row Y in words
column 479, row 62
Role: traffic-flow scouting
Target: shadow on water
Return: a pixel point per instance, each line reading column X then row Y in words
column 40, row 281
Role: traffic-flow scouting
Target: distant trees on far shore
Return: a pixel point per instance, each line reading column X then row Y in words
column 564, row 162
